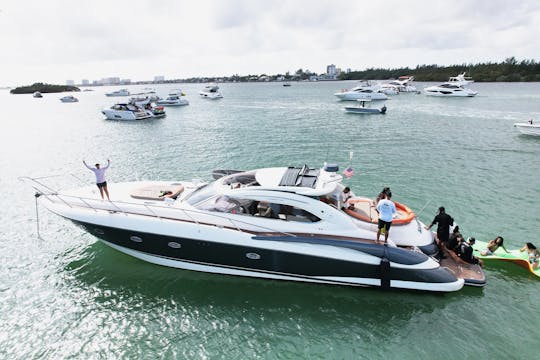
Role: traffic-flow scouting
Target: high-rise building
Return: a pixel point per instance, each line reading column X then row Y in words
column 85, row 82
column 331, row 70
column 159, row 78
column 70, row 82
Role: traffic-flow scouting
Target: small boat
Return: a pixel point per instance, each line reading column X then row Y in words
column 69, row 99
column 282, row 223
column 514, row 256
column 37, row 94
column 211, row 91
column 126, row 111
column 121, row 92
column 363, row 109
column 175, row 98
column 286, row 83
column 528, row 128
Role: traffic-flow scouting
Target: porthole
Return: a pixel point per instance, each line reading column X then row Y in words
column 174, row 245
column 135, row 239
column 99, row 231
column 253, row 256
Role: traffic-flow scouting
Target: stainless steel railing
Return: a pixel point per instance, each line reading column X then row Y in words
column 159, row 211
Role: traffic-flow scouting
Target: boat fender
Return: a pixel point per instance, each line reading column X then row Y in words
column 384, row 267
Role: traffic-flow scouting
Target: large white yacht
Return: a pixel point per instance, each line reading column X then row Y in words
column 401, row 85
column 363, row 91
column 174, row 98
column 460, row 80
column 126, row 111
column 282, row 223
column 211, row 91
column 454, row 87
column 449, row 90
column 121, row 92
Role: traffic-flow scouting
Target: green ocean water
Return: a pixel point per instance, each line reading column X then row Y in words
column 68, row 296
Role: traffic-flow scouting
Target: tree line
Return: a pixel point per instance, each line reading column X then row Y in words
column 508, row 70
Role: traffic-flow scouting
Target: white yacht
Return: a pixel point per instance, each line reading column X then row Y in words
column 175, row 98
column 126, row 111
column 69, row 99
column 402, row 85
column 365, row 90
column 283, row 223
column 148, row 104
column 449, row 90
column 121, row 92
column 460, row 80
column 211, row 91
column 37, row 94
column 528, row 128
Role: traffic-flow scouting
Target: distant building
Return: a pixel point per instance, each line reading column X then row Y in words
column 331, row 70
column 70, row 82
column 85, row 82
column 110, row 81
column 159, row 78
column 125, row 81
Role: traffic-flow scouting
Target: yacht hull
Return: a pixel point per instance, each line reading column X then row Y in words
column 276, row 258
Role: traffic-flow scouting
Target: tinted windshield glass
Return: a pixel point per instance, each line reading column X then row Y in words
column 201, row 194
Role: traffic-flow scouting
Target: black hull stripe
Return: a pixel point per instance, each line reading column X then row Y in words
column 257, row 259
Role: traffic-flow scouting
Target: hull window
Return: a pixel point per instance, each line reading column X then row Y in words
column 135, row 239
column 253, row 256
column 174, row 245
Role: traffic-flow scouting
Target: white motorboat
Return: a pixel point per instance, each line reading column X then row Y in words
column 402, row 85
column 362, row 108
column 37, row 94
column 449, row 90
column 175, row 98
column 365, row 90
column 272, row 223
column 460, row 80
column 126, row 111
column 148, row 103
column 528, row 128
column 69, row 99
column 211, row 91
column 121, row 92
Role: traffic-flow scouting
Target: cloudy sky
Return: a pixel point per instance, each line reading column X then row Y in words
column 53, row 41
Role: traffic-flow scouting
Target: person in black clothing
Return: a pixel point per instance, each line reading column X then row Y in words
column 443, row 221
column 453, row 240
column 465, row 252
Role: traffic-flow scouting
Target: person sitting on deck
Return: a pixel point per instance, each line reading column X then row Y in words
column 465, row 251
column 453, row 239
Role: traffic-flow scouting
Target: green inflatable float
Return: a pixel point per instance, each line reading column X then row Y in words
column 520, row 258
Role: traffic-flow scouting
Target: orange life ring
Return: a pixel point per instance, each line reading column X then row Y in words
column 407, row 215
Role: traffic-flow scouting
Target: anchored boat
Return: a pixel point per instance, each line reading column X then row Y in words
column 283, row 223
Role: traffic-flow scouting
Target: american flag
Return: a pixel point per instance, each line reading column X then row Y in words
column 348, row 172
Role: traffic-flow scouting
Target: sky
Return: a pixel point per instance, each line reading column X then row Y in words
column 53, row 41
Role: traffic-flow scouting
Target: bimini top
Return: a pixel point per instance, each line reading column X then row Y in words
column 304, row 180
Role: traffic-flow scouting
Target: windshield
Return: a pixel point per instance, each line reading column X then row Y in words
column 201, row 194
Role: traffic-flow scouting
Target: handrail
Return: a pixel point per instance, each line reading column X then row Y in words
column 150, row 207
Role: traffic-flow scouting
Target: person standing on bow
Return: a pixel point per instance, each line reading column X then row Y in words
column 100, row 177
column 386, row 209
